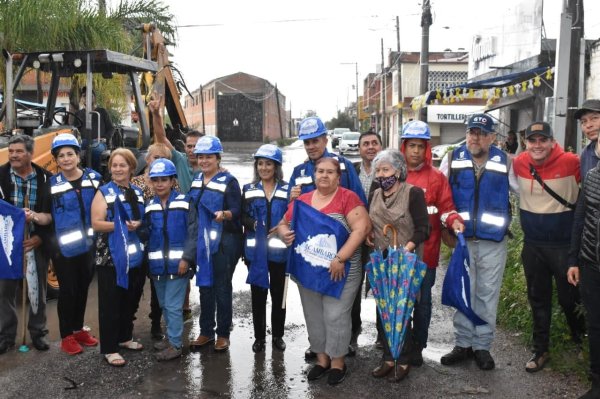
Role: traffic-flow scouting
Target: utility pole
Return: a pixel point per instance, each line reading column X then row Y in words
column 399, row 78
column 426, row 21
column 356, row 119
column 383, row 125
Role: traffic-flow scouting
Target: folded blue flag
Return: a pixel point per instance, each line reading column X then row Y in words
column 118, row 242
column 204, row 273
column 317, row 241
column 12, row 228
column 456, row 291
column 258, row 274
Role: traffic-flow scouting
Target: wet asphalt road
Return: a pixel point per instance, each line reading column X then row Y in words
column 240, row 373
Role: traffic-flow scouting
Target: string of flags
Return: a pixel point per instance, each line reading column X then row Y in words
column 458, row 94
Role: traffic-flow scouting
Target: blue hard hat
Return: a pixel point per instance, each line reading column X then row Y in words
column 64, row 140
column 416, row 130
column 269, row 151
column 208, row 145
column 311, row 127
column 481, row 121
column 162, row 167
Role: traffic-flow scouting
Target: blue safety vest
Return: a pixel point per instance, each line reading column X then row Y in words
column 212, row 197
column 71, row 212
column 167, row 233
column 303, row 175
column 269, row 213
column 110, row 192
column 483, row 204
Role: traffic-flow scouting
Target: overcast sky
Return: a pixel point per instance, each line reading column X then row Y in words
column 300, row 45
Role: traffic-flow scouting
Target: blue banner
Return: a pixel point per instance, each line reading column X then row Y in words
column 456, row 291
column 204, row 273
column 258, row 274
column 12, row 229
column 118, row 242
column 318, row 239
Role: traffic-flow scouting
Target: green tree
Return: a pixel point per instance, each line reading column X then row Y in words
column 342, row 120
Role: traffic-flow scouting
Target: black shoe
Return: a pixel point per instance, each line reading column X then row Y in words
column 5, row 346
column 336, row 375
column 316, row 372
column 258, row 346
column 351, row 351
column 40, row 343
column 309, row 354
column 279, row 343
column 156, row 332
column 537, row 362
column 458, row 354
column 484, row 360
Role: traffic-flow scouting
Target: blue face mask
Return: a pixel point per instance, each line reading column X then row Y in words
column 387, row 182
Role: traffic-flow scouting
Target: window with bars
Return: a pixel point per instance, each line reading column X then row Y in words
column 441, row 80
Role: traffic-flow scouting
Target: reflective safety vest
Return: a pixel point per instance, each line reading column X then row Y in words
column 110, row 192
column 269, row 213
column 212, row 197
column 483, row 204
column 71, row 212
column 167, row 233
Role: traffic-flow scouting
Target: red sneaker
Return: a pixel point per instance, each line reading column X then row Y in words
column 85, row 338
column 70, row 345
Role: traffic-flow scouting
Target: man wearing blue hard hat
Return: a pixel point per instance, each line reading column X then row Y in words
column 313, row 133
column 479, row 177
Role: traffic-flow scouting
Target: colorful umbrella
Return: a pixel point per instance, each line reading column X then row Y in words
column 395, row 281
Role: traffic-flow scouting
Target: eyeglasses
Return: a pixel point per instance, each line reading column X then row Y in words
column 477, row 133
column 542, row 140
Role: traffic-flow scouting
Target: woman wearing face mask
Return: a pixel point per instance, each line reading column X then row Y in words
column 402, row 205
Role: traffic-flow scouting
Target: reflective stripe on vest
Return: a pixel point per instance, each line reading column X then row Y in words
column 70, row 237
column 432, row 210
column 173, row 254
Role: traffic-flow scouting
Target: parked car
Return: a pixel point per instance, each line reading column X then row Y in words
column 337, row 135
column 438, row 152
column 349, row 143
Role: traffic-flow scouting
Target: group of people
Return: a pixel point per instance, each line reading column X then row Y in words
column 186, row 215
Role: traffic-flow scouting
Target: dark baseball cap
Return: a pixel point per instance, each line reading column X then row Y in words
column 481, row 121
column 541, row 128
column 592, row 105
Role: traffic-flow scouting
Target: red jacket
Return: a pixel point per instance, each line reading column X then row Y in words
column 438, row 197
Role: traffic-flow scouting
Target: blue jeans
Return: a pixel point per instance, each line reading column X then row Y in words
column 219, row 296
column 422, row 312
column 171, row 294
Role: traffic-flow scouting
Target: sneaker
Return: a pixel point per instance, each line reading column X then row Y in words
column 85, row 338
column 222, row 344
column 161, row 345
column 537, row 362
column 169, row 353
column 336, row 375
column 70, row 345
column 484, row 360
column 457, row 355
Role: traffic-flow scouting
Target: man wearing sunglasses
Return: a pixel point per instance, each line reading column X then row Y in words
column 548, row 186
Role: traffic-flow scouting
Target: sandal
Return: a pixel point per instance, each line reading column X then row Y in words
column 131, row 345
column 537, row 362
column 115, row 360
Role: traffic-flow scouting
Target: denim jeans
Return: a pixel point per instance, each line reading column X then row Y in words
column 422, row 312
column 171, row 294
column 219, row 297
column 589, row 287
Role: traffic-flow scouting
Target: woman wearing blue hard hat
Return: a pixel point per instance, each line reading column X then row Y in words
column 170, row 252
column 264, row 202
column 72, row 191
column 218, row 200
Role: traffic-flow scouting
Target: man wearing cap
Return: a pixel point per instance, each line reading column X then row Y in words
column 313, row 133
column 442, row 213
column 479, row 178
column 589, row 118
column 548, row 180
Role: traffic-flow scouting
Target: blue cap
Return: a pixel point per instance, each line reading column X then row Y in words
column 416, row 130
column 162, row 167
column 269, row 151
column 208, row 145
column 311, row 127
column 64, row 140
column 481, row 121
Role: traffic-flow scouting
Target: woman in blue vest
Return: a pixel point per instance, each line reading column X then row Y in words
column 167, row 219
column 264, row 202
column 119, row 282
column 218, row 200
column 72, row 191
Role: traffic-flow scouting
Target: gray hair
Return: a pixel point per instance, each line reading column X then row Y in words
column 394, row 158
column 24, row 139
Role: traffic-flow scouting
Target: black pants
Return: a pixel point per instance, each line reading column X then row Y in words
column 356, row 308
column 541, row 265
column 259, row 303
column 589, row 285
column 74, row 277
column 117, row 307
column 155, row 309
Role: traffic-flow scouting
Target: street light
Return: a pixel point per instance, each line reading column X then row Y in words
column 356, row 121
